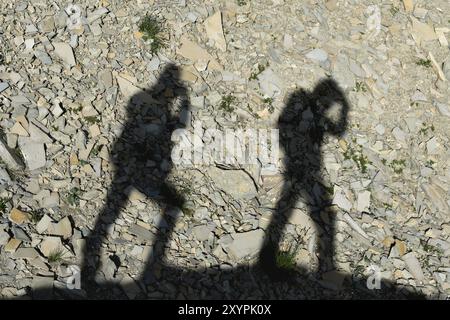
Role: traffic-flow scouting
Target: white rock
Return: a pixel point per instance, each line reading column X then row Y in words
column 270, row 83
column 194, row 52
column 319, row 55
column 29, row 43
column 413, row 266
column 443, row 109
column 37, row 135
column 33, row 153
column 341, row 200
column 18, row 129
column 153, row 65
column 436, row 196
column 432, row 146
column 62, row 228
column 363, row 202
column 399, row 134
column 4, row 238
column 10, row 159
column 43, row 57
column 213, row 26
column 418, row 96
column 65, row 52
column 288, row 43
column 3, row 86
column 127, row 88
column 51, row 245
column 423, row 31
column 4, row 177
column 43, row 224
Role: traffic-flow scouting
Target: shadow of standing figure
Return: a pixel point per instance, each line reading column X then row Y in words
column 141, row 157
column 303, row 126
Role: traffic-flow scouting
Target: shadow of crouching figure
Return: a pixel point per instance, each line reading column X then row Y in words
column 141, row 157
column 303, row 125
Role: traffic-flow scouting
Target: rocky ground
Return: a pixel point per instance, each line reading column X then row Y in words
column 63, row 93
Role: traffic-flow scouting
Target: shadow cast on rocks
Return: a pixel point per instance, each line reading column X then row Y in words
column 139, row 155
column 243, row 282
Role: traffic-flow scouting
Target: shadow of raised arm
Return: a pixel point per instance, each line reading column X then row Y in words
column 328, row 92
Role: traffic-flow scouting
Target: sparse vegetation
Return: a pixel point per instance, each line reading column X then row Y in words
column 261, row 69
column 226, row 103
column 73, row 198
column 83, row 162
column 358, row 157
column 430, row 163
column 425, row 128
column 398, row 165
column 36, row 215
column 92, row 120
column 250, row 109
column 152, row 30
column 286, row 258
column 56, row 256
column 394, row 10
column 269, row 103
column 3, row 203
column 424, row 63
column 241, row 3
column 360, row 87
column 430, row 249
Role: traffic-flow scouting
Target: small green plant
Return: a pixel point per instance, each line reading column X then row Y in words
column 36, row 215
column 241, row 3
column 73, row 198
column 360, row 86
column 286, row 259
column 394, row 10
column 250, row 109
column 424, row 129
column 430, row 249
column 3, row 203
column 429, row 163
column 226, row 103
column 358, row 157
column 56, row 255
column 261, row 69
column 424, row 63
column 387, row 206
column 152, row 30
column 92, row 120
column 359, row 270
column 269, row 102
column 95, row 151
column 398, row 165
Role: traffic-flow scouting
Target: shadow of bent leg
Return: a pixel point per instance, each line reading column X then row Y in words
column 172, row 202
column 268, row 254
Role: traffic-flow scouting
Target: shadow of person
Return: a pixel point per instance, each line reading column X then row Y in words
column 141, row 157
column 303, row 125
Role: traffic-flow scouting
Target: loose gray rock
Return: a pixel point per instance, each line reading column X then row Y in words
column 246, row 244
column 236, row 183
